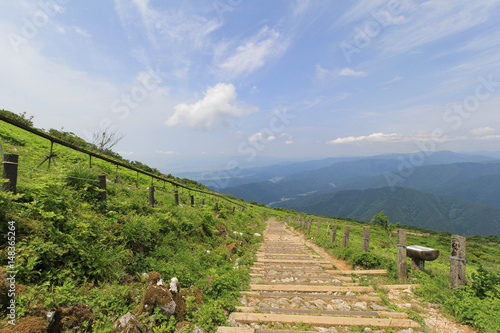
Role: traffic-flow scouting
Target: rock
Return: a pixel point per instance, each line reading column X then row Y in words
column 283, row 301
column 297, row 299
column 232, row 248
column 368, row 330
column 28, row 324
column 409, row 330
column 319, row 303
column 128, row 323
column 257, row 235
column 376, row 307
column 73, row 317
column 321, row 329
column 360, row 306
column 350, row 293
column 340, row 305
column 157, row 295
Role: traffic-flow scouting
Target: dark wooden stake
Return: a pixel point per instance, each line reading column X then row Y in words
column 176, row 197
column 102, row 187
column 192, row 200
column 334, row 233
column 202, row 202
column 401, row 258
column 216, row 207
column 345, row 241
column 457, row 265
column 10, row 172
column 152, row 196
column 366, row 239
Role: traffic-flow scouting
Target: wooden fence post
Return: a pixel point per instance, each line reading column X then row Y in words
column 102, row 186
column 345, row 241
column 192, row 200
column 457, row 264
column 401, row 258
column 10, row 172
column 319, row 227
column 309, row 226
column 334, row 233
column 327, row 229
column 202, row 202
column 176, row 197
column 216, row 207
column 366, row 239
column 152, row 195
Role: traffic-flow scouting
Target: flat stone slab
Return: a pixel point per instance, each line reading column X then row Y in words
column 322, row 320
column 310, row 296
column 358, row 272
column 308, row 288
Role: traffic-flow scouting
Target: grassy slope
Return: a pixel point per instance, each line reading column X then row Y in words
column 482, row 270
column 72, row 249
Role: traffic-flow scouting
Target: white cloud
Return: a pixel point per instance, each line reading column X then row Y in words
column 261, row 137
column 126, row 153
column 375, row 137
column 482, row 131
column 289, row 138
column 254, row 53
column 490, row 137
column 166, row 152
column 323, row 73
column 395, row 79
column 350, row 72
column 217, row 106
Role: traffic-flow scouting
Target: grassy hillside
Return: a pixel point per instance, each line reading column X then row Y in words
column 477, row 304
column 70, row 248
column 407, row 206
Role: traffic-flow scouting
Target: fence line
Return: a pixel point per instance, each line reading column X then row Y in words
column 107, row 159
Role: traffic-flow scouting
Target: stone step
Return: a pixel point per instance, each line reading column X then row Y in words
column 310, row 296
column 291, row 269
column 252, row 309
column 308, row 288
column 316, row 276
column 357, row 272
column 321, row 320
column 292, row 261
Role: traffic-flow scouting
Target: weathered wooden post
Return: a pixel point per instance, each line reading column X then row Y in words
column 10, row 172
column 327, row 229
column 102, row 186
column 176, row 197
column 202, row 202
column 366, row 239
column 334, row 233
column 319, row 227
column 216, row 207
column 457, row 264
column 401, row 258
column 345, row 241
column 152, row 195
column 309, row 227
column 192, row 200
column 234, row 209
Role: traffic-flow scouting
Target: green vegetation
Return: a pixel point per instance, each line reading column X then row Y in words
column 476, row 304
column 72, row 248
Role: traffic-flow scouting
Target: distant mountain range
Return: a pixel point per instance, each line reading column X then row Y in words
column 447, row 191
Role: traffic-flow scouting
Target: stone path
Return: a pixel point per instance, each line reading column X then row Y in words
column 293, row 288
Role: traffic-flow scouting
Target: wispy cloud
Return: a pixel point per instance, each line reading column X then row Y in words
column 482, row 131
column 217, row 106
column 350, row 72
column 375, row 137
column 166, row 152
column 253, row 53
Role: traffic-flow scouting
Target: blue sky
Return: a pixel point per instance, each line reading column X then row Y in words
column 198, row 84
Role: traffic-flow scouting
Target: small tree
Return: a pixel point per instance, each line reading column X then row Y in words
column 382, row 220
column 106, row 138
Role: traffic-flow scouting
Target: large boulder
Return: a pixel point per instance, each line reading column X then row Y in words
column 128, row 323
column 167, row 298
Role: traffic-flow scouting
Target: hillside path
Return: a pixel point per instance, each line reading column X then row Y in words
column 295, row 288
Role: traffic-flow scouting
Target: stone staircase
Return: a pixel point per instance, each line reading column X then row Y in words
column 294, row 289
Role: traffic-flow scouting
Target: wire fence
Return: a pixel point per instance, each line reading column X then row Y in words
column 91, row 154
